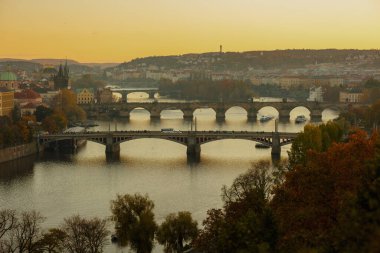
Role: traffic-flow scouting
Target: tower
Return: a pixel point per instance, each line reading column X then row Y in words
column 221, row 49
column 61, row 79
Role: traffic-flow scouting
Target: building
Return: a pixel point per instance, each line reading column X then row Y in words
column 85, row 96
column 28, row 109
column 350, row 96
column 315, row 94
column 27, row 96
column 9, row 80
column 6, row 102
column 61, row 79
column 48, row 96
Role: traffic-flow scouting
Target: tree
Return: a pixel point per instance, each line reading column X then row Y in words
column 308, row 204
column 42, row 112
column 16, row 113
column 66, row 103
column 52, row 241
column 24, row 234
column 176, row 230
column 315, row 138
column 358, row 227
column 134, row 221
column 7, row 221
column 246, row 223
column 85, row 236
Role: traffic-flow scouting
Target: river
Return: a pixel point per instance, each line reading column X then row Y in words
column 84, row 183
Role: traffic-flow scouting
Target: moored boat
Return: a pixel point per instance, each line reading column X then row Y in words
column 265, row 118
column 300, row 119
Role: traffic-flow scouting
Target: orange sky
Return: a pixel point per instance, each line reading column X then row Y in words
column 120, row 30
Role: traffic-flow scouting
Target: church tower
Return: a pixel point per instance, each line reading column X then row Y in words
column 61, row 79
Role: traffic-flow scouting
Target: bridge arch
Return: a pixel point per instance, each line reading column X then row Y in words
column 139, row 110
column 331, row 112
column 268, row 110
column 237, row 111
column 265, row 141
column 171, row 113
column 300, row 110
column 138, row 94
column 204, row 112
column 179, row 140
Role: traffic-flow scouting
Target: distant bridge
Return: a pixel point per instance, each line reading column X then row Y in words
column 125, row 91
column 191, row 139
column 220, row 108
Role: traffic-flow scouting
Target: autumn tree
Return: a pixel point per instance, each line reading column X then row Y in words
column 66, row 103
column 309, row 202
column 134, row 221
column 176, row 230
column 246, row 223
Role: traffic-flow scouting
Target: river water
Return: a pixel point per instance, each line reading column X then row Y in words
column 84, row 183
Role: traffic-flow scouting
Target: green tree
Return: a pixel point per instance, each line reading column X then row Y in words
column 176, row 230
column 314, row 138
column 134, row 221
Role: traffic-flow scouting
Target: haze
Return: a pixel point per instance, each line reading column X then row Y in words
column 120, row 30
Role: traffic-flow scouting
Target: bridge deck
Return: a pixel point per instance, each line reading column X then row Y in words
column 152, row 134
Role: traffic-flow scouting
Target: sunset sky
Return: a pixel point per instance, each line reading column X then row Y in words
column 120, row 30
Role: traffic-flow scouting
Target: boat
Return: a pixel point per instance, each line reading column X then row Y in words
column 265, row 118
column 300, row 119
column 260, row 145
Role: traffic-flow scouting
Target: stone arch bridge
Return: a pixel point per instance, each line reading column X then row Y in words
column 188, row 108
column 191, row 139
column 125, row 91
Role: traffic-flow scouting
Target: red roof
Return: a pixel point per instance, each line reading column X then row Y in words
column 27, row 94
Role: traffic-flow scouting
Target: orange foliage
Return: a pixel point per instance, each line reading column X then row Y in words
column 308, row 203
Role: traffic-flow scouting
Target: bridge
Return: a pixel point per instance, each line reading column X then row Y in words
column 125, row 91
column 191, row 139
column 220, row 108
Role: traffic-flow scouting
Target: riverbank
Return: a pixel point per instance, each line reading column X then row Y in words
column 19, row 151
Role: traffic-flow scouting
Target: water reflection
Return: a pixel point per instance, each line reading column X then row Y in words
column 16, row 169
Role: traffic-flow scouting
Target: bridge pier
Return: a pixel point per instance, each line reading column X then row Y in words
column 220, row 115
column 252, row 115
column 193, row 150
column 124, row 114
column 155, row 115
column 124, row 97
column 276, row 145
column 151, row 94
column 284, row 115
column 188, row 114
column 316, row 116
column 112, row 149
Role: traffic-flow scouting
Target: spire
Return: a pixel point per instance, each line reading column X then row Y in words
column 60, row 71
column 66, row 70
